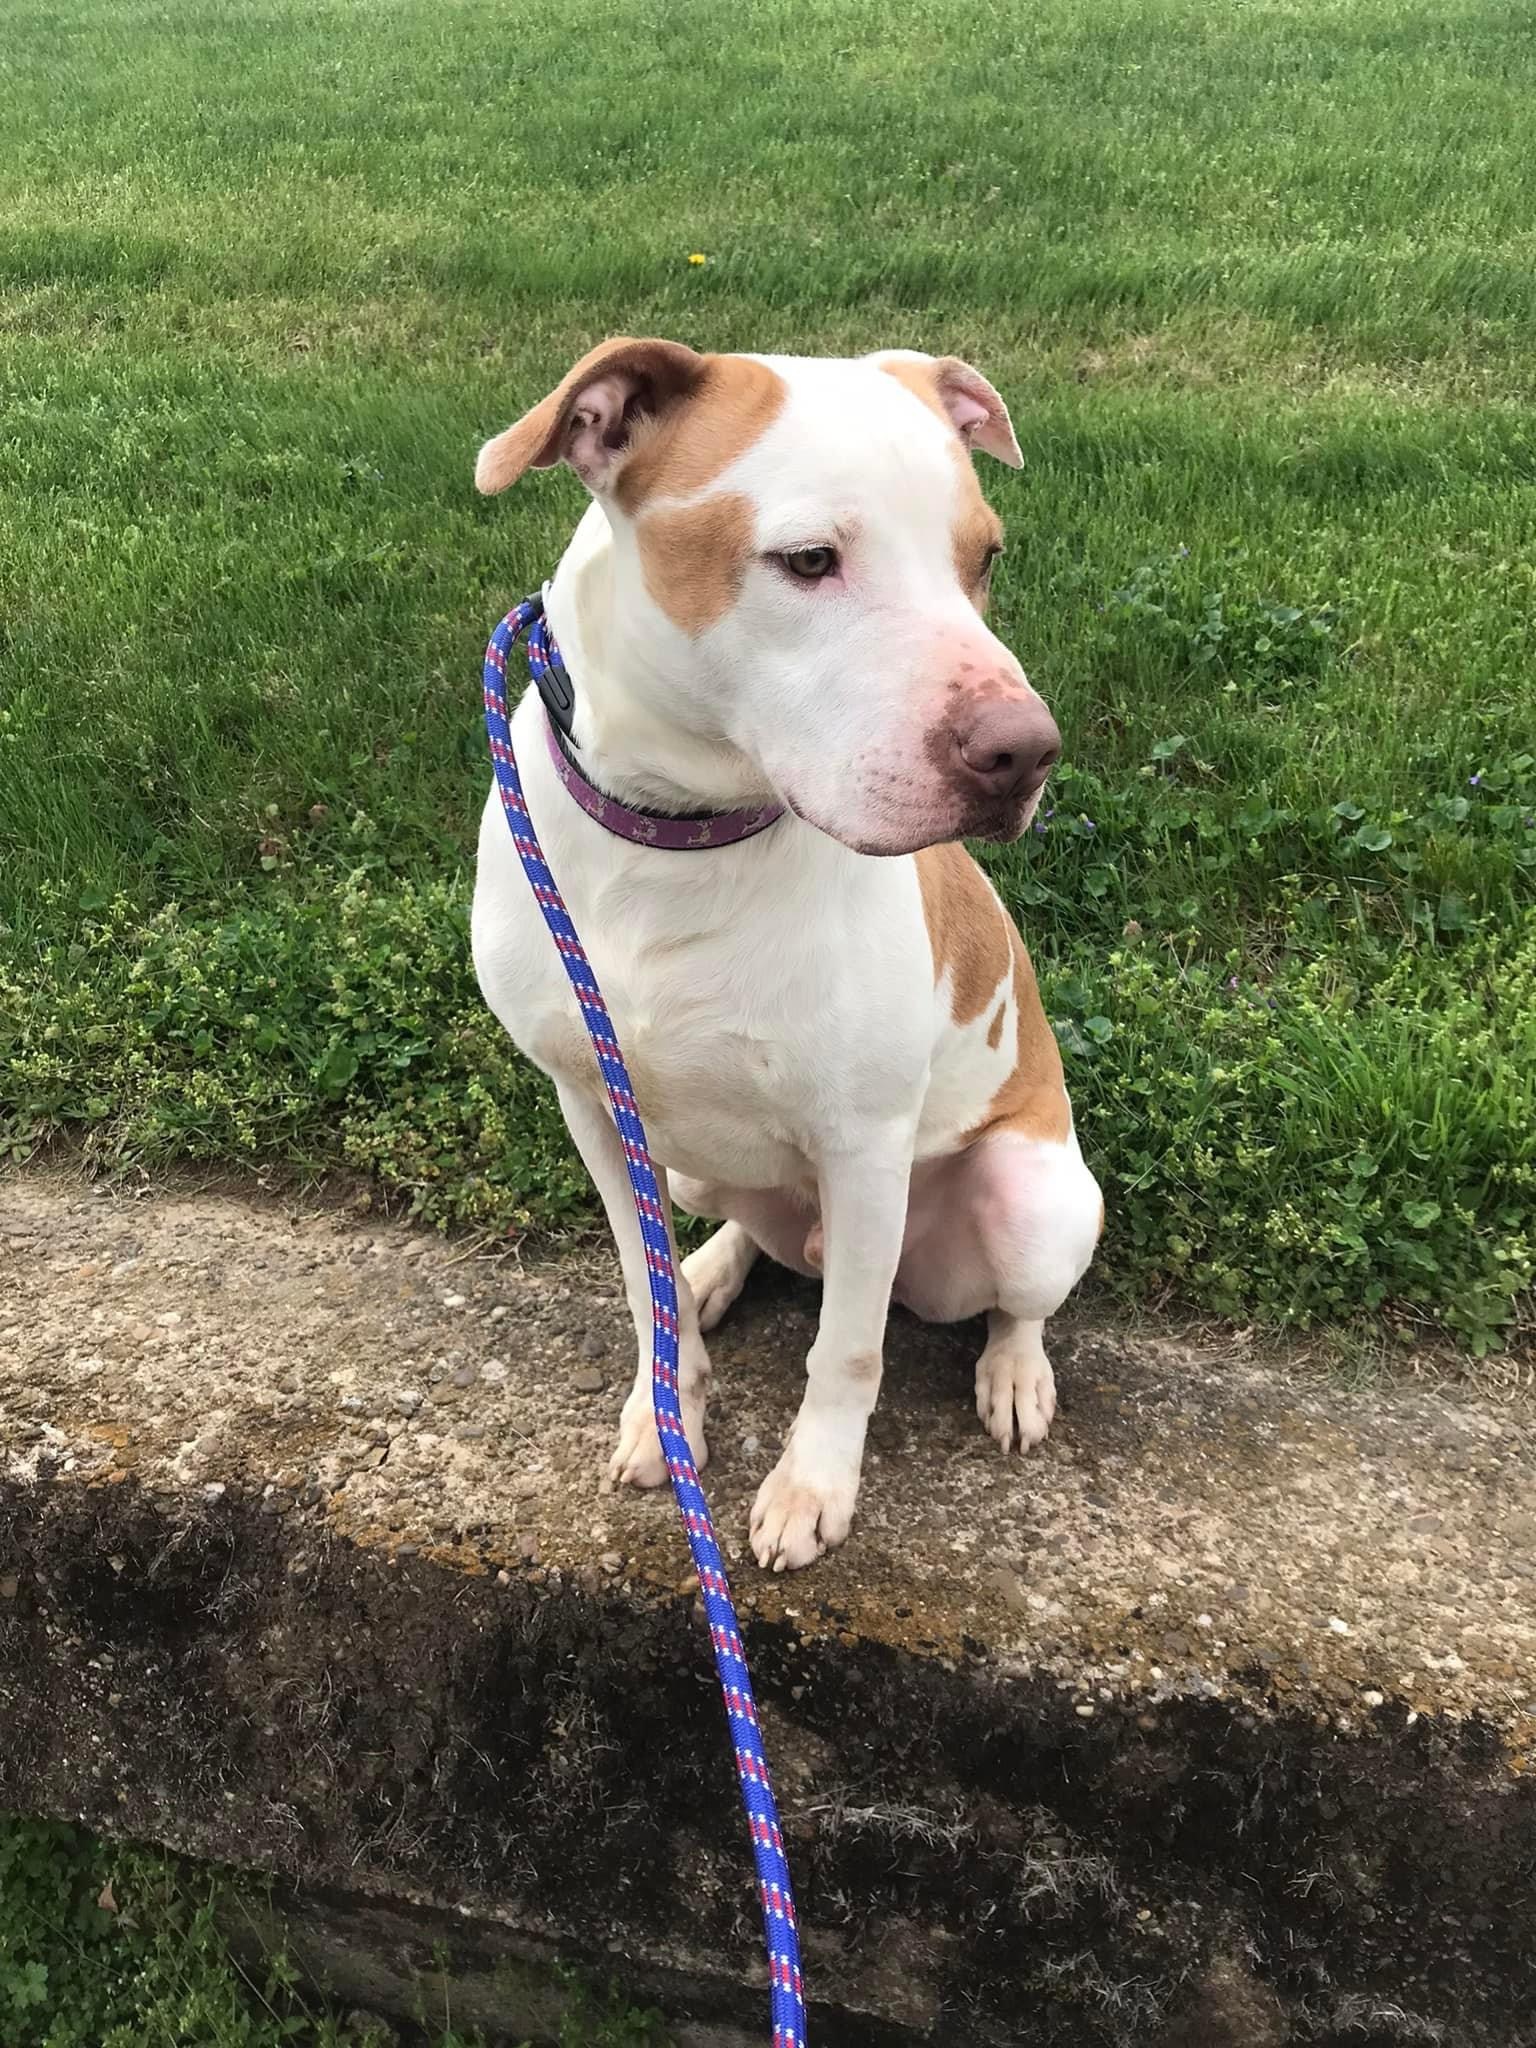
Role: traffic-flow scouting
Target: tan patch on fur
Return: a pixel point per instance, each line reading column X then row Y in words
column 921, row 379
column 1033, row 1099
column 693, row 557
column 972, row 935
column 732, row 404
column 968, row 930
column 976, row 533
column 977, row 528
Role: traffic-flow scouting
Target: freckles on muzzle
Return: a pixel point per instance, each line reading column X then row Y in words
column 973, row 768
column 900, row 805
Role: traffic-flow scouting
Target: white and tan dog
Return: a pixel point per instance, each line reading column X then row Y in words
column 833, row 1027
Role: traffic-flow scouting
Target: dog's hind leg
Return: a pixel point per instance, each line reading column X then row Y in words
column 1006, row 1228
column 717, row 1271
column 637, row 1457
column 754, row 1220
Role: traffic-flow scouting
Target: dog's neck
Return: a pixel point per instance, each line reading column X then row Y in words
column 624, row 746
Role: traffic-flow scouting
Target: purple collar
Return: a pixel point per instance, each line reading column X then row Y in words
column 625, row 821
column 656, row 828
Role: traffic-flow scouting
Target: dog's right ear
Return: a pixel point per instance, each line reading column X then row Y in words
column 590, row 416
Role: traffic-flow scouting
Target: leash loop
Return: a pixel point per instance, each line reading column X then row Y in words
column 780, row 1935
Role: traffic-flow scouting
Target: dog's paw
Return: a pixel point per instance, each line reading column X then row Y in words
column 798, row 1513
column 637, row 1456
column 717, row 1271
column 1015, row 1395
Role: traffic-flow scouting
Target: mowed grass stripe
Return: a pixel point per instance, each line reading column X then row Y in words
column 1359, row 167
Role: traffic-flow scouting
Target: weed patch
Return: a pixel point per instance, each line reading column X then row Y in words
column 106, row 1946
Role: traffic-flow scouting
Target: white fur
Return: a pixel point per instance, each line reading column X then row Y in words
column 775, row 1000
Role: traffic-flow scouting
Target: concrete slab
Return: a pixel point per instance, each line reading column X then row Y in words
column 1210, row 1721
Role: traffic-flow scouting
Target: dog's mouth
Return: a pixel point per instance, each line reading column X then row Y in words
column 1004, row 821
column 1000, row 821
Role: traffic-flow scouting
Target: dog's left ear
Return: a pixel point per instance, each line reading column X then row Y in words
column 965, row 398
column 590, row 416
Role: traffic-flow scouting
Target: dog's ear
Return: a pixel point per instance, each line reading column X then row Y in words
column 963, row 396
column 979, row 415
column 590, row 416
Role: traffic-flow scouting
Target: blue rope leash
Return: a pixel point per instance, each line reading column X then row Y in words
column 779, row 1931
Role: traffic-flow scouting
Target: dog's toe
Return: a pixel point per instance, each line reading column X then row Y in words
column 794, row 1520
column 1015, row 1396
column 637, row 1459
column 638, row 1464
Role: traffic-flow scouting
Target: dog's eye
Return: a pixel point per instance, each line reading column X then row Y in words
column 990, row 557
column 810, row 564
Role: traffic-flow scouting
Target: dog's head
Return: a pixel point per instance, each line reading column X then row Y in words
column 802, row 554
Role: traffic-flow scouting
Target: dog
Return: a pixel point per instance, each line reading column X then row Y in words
column 775, row 604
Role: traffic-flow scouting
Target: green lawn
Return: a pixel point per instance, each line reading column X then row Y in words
column 1259, row 282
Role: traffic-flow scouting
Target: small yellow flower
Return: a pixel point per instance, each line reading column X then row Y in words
column 696, row 258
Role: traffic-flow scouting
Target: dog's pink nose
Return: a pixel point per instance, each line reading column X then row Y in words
column 1010, row 748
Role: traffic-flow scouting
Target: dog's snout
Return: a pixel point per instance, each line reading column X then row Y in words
column 1009, row 748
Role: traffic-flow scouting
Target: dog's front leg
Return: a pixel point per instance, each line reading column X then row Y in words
column 637, row 1457
column 805, row 1505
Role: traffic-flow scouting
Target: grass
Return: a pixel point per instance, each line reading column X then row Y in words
column 108, row 1946
column 1259, row 285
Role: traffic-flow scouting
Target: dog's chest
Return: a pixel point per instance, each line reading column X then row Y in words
column 717, row 1062
column 766, row 997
